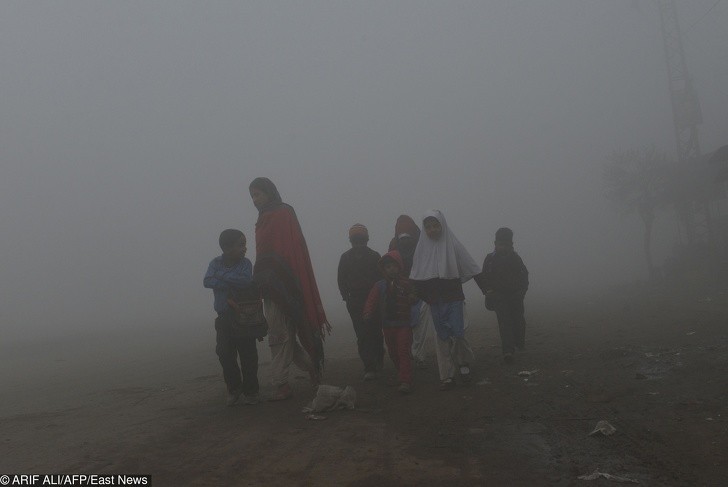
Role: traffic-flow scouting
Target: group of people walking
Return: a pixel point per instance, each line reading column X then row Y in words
column 394, row 299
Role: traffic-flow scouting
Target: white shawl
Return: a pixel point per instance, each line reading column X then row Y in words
column 444, row 258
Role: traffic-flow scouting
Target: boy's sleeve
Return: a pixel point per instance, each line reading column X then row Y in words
column 480, row 281
column 212, row 280
column 248, row 270
column 523, row 276
column 483, row 279
column 219, row 277
column 373, row 267
column 371, row 303
column 340, row 279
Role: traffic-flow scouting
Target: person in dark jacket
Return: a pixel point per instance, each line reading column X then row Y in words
column 357, row 273
column 504, row 282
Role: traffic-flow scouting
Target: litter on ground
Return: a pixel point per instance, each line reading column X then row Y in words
column 527, row 373
column 315, row 417
column 604, row 428
column 329, row 398
column 597, row 475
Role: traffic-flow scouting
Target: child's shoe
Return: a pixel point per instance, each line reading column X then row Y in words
column 404, row 388
column 233, row 398
column 447, row 384
column 251, row 399
column 370, row 375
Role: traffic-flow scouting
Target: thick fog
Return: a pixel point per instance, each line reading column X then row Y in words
column 129, row 132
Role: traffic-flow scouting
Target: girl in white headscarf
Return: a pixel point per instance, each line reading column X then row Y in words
column 440, row 266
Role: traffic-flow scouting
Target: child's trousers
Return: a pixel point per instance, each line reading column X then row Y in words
column 368, row 338
column 228, row 348
column 399, row 346
column 511, row 322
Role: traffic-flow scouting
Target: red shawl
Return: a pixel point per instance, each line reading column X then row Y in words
column 278, row 234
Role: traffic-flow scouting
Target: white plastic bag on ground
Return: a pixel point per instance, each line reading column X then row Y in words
column 329, row 398
column 596, row 474
column 604, row 428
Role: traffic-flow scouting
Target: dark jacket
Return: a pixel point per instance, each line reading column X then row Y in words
column 503, row 273
column 358, row 272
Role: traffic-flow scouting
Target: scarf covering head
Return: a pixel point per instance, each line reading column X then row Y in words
column 266, row 185
column 283, row 271
column 444, row 258
column 406, row 225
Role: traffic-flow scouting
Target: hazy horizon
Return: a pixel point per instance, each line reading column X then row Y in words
column 130, row 132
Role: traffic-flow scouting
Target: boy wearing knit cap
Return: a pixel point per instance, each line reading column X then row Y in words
column 504, row 282
column 357, row 273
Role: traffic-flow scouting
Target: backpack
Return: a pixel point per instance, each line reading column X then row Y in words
column 247, row 308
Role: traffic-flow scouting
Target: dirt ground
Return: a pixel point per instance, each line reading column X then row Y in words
column 656, row 368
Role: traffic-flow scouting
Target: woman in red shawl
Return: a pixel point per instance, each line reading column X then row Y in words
column 291, row 298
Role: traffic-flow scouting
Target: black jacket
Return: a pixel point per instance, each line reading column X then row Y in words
column 503, row 273
column 358, row 272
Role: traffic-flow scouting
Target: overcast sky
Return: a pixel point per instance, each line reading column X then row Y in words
column 129, row 132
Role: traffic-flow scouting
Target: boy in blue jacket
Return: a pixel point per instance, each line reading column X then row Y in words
column 227, row 272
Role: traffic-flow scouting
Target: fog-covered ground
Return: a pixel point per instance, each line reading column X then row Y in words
column 129, row 132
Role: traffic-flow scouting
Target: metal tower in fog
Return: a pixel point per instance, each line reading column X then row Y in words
column 686, row 114
column 686, row 111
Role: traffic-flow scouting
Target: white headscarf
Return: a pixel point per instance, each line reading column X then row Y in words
column 444, row 258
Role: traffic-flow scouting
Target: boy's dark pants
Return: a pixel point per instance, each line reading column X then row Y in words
column 229, row 346
column 511, row 321
column 369, row 339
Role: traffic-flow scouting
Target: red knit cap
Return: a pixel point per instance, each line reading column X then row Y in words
column 358, row 229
